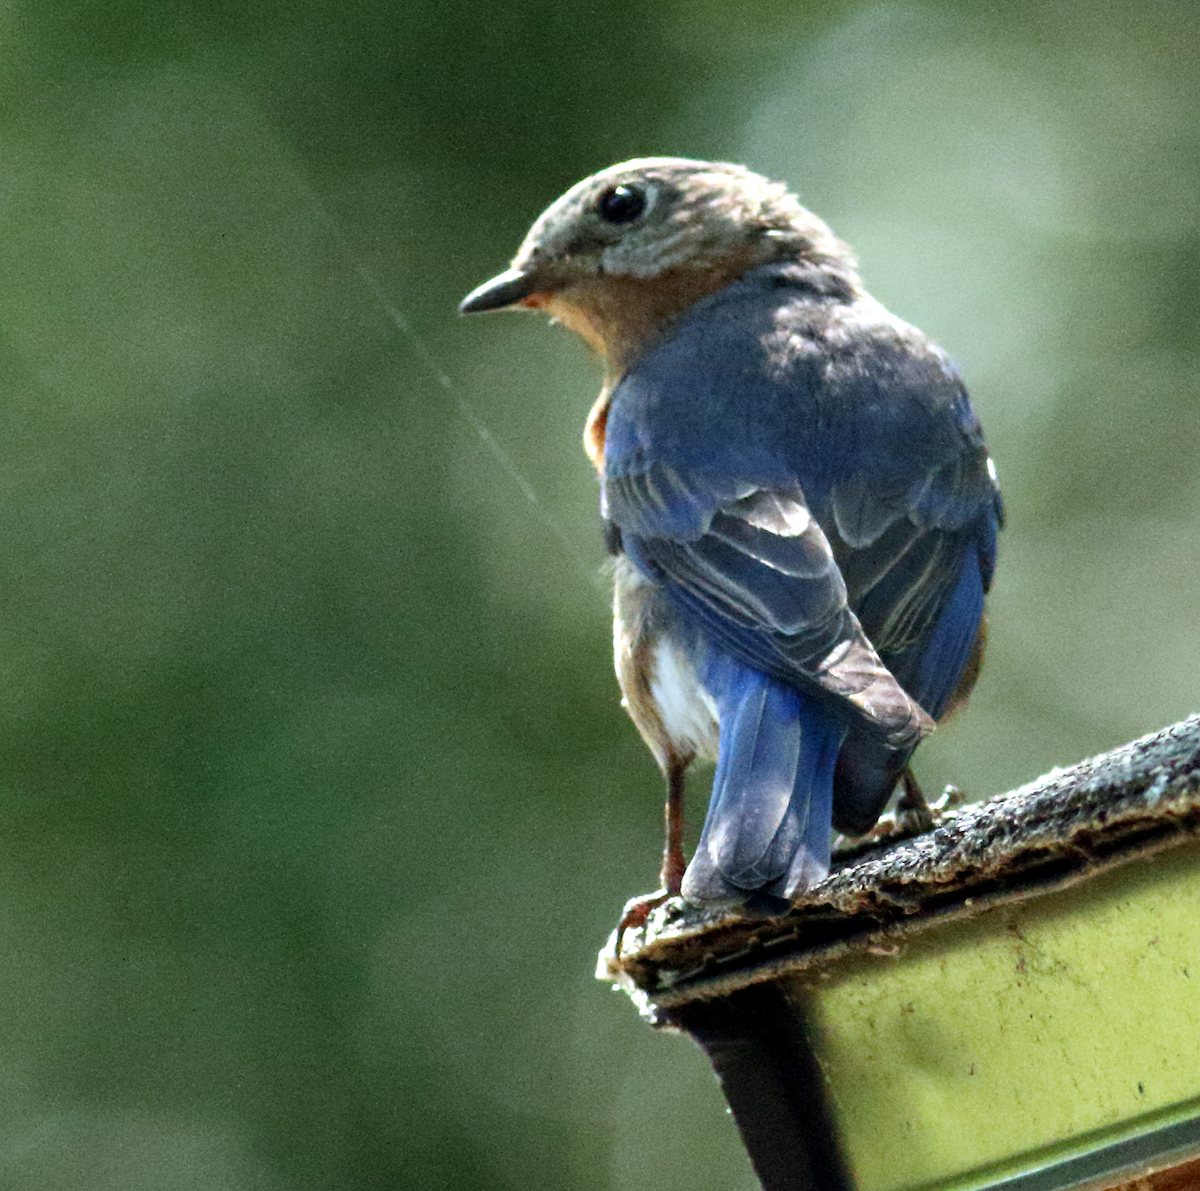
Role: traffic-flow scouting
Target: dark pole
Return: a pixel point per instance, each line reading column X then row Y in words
column 757, row 1044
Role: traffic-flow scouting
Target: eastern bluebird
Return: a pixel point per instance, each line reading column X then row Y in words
column 798, row 497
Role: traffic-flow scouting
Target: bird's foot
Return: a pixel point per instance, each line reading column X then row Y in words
column 913, row 815
column 909, row 819
column 903, row 820
column 950, row 800
column 637, row 912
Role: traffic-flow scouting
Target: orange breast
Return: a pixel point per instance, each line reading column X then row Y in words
column 593, row 430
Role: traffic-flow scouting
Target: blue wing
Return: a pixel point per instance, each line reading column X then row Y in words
column 805, row 479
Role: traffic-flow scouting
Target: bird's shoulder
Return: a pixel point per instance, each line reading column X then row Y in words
column 790, row 373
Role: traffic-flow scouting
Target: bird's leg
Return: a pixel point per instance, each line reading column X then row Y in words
column 673, row 863
column 912, row 810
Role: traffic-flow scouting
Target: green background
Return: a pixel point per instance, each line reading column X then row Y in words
column 316, row 799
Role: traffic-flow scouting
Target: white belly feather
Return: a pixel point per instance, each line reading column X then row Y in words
column 674, row 713
column 687, row 710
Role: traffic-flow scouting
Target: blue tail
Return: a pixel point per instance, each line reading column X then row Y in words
column 768, row 824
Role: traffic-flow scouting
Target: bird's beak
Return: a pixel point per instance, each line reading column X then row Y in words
column 508, row 289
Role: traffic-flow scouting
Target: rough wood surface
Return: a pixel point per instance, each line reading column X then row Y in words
column 1065, row 827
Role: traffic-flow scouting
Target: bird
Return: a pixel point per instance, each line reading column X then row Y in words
column 799, row 503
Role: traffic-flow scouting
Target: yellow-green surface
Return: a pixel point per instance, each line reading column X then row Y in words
column 991, row 1046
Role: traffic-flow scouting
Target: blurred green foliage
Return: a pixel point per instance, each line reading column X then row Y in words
column 316, row 800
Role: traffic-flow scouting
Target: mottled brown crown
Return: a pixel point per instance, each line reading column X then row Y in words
column 697, row 214
column 626, row 250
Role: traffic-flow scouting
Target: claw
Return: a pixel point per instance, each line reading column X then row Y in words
column 636, row 914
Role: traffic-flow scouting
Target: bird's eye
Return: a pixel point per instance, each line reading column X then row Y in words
column 621, row 204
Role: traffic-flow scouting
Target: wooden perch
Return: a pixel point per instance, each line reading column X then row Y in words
column 1065, row 827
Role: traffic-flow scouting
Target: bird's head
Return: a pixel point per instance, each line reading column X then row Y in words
column 626, row 250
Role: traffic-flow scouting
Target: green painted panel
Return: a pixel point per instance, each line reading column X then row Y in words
column 989, row 1047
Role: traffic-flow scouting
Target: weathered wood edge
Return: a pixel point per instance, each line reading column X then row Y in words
column 1065, row 827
